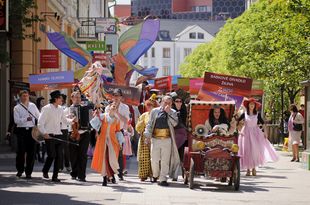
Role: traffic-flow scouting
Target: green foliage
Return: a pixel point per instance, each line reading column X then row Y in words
column 270, row 41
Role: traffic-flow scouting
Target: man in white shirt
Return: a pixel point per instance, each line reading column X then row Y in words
column 25, row 115
column 50, row 125
column 123, row 115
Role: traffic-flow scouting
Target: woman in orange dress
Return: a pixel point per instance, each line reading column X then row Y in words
column 105, row 159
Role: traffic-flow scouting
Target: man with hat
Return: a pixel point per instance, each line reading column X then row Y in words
column 123, row 114
column 49, row 123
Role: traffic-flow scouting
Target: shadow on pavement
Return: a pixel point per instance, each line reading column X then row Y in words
column 131, row 189
column 23, row 198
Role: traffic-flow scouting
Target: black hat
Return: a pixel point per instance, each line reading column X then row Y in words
column 55, row 94
column 117, row 91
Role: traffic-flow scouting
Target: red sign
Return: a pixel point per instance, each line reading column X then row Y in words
column 3, row 15
column 163, row 84
column 226, row 84
column 49, row 59
column 224, row 87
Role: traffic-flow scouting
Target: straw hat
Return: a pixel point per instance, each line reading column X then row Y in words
column 250, row 100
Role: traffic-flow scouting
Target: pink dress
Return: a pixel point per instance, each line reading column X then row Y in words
column 127, row 144
column 254, row 149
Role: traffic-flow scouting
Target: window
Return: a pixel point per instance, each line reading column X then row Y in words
column 187, row 51
column 166, row 52
column 145, row 54
column 192, row 35
column 153, row 52
column 166, row 70
column 201, row 36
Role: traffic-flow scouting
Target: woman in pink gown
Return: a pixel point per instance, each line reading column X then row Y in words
column 255, row 149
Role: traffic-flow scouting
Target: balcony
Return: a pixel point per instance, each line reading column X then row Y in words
column 87, row 31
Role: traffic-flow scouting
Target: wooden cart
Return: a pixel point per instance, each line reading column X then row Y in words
column 219, row 157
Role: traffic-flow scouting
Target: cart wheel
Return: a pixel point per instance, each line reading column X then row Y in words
column 236, row 175
column 191, row 174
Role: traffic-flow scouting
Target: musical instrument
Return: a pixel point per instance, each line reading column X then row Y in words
column 82, row 113
column 75, row 135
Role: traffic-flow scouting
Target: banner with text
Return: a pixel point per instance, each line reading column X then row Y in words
column 224, row 88
column 131, row 95
column 49, row 59
column 164, row 83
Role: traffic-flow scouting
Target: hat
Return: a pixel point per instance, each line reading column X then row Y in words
column 117, row 91
column 248, row 101
column 152, row 100
column 55, row 94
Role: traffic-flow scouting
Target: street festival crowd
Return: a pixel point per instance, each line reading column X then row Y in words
column 155, row 132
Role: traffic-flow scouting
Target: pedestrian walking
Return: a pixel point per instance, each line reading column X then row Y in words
column 295, row 123
column 25, row 115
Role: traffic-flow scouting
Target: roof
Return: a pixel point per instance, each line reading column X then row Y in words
column 176, row 26
column 186, row 30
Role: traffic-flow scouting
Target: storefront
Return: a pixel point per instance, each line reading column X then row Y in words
column 306, row 153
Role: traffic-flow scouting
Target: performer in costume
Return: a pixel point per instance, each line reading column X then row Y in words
column 78, row 154
column 143, row 157
column 25, row 114
column 218, row 122
column 49, row 124
column 107, row 149
column 255, row 149
column 122, row 114
column 160, row 132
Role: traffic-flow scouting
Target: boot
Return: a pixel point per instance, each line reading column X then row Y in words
column 105, row 181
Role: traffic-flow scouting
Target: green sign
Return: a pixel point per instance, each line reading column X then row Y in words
column 95, row 46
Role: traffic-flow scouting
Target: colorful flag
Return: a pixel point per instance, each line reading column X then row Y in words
column 70, row 47
column 132, row 45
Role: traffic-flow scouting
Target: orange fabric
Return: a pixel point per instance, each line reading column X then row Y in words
column 121, row 69
column 99, row 156
column 128, row 44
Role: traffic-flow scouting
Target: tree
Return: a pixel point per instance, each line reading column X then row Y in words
column 269, row 41
column 21, row 17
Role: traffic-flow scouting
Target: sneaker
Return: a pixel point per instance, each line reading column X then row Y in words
column 28, row 177
column 163, row 183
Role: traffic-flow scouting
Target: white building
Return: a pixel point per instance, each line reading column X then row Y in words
column 176, row 40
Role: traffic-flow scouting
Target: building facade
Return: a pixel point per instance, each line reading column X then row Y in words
column 188, row 9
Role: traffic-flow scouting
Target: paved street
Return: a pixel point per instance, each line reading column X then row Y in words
column 280, row 183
